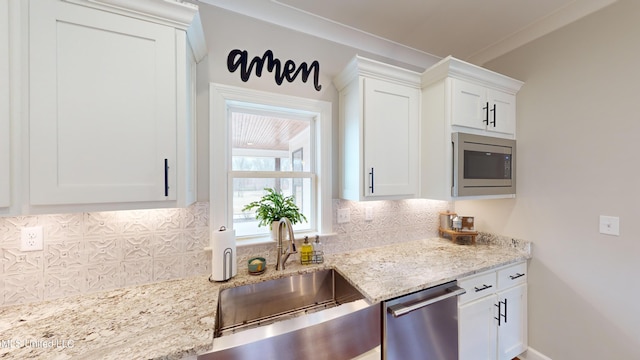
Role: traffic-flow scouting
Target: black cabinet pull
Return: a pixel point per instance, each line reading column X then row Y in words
column 505, row 311
column 494, row 116
column 166, row 177
column 371, row 178
column 517, row 275
column 486, row 109
column 484, row 287
column 500, row 315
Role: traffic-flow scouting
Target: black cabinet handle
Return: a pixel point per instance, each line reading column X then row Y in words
column 500, row 315
column 484, row 287
column 486, row 109
column 517, row 275
column 166, row 177
column 371, row 178
column 494, row 116
column 505, row 311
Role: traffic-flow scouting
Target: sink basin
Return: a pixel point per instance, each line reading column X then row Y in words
column 295, row 317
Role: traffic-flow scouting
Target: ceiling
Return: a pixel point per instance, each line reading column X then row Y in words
column 472, row 30
column 260, row 132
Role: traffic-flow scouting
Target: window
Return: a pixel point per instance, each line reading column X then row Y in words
column 271, row 148
column 260, row 140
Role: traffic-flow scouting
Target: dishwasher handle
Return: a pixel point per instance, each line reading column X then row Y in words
column 398, row 310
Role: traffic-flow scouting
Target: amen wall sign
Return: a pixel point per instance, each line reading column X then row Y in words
column 239, row 60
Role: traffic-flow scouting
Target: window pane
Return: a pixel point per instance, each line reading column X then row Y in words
column 247, row 190
column 269, row 143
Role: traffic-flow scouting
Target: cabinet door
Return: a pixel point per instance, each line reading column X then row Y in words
column 5, row 125
column 512, row 332
column 503, row 118
column 391, row 114
column 477, row 329
column 102, row 106
column 468, row 104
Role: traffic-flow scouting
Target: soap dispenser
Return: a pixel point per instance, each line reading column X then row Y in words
column 306, row 252
column 318, row 251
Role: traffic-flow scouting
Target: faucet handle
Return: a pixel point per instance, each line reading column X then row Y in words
column 293, row 246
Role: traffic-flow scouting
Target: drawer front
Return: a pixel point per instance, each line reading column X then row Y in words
column 513, row 275
column 477, row 286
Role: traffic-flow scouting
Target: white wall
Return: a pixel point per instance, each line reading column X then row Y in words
column 578, row 143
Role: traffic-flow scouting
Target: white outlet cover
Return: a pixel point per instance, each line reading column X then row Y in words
column 31, row 238
column 610, row 225
column 344, row 216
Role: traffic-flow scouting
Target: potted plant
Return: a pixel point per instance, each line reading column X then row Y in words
column 272, row 207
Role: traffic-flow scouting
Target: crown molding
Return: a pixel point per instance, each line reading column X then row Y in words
column 274, row 12
column 176, row 13
column 566, row 15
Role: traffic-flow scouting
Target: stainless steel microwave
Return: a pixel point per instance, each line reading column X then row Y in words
column 483, row 165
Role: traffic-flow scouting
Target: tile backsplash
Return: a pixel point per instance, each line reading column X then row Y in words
column 89, row 252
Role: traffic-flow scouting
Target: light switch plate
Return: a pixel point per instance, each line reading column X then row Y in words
column 610, row 225
column 368, row 214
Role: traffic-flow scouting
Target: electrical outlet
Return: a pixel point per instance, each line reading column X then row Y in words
column 31, row 239
column 610, row 225
column 344, row 216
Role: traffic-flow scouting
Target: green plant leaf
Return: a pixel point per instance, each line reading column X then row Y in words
column 273, row 206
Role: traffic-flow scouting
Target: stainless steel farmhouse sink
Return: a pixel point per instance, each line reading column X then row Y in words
column 316, row 315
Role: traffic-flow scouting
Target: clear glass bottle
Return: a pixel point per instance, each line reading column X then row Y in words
column 318, row 251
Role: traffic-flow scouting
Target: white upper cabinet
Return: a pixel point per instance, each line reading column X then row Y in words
column 5, row 123
column 379, row 121
column 477, row 107
column 110, row 111
column 460, row 97
column 476, row 100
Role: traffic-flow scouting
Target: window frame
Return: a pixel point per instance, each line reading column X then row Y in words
column 224, row 97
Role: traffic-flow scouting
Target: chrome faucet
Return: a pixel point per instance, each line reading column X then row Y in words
column 283, row 254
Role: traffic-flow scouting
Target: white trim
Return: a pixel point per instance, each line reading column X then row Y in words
column 275, row 12
column 566, row 15
column 360, row 66
column 220, row 96
column 459, row 69
column 172, row 12
column 307, row 23
column 532, row 354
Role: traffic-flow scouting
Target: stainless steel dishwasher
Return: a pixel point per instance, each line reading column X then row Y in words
column 422, row 325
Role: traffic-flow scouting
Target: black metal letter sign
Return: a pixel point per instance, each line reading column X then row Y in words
column 239, row 59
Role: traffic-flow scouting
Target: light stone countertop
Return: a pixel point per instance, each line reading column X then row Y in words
column 175, row 319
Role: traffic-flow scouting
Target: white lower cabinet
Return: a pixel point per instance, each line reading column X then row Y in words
column 492, row 315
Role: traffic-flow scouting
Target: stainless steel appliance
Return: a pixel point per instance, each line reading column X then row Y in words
column 483, row 165
column 422, row 325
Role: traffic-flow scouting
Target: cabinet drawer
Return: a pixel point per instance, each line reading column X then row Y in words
column 477, row 286
column 513, row 275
